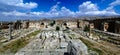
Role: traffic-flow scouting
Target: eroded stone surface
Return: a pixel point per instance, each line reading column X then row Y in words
column 53, row 43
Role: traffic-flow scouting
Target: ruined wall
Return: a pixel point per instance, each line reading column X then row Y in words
column 76, row 47
column 72, row 24
column 107, row 24
column 34, row 25
column 117, row 27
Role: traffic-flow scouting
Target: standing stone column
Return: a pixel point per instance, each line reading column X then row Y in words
column 10, row 32
column 78, row 23
column 105, row 26
column 91, row 27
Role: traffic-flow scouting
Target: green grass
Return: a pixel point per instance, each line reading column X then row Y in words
column 101, row 50
column 1, row 37
column 72, row 36
column 91, row 46
column 16, row 45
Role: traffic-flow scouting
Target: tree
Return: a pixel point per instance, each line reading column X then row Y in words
column 86, row 28
column 57, row 28
column 52, row 23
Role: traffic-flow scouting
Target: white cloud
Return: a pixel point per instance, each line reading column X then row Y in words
column 27, row 5
column 55, row 12
column 14, row 13
column 117, row 2
column 11, row 2
column 19, row 3
column 66, row 12
column 100, row 13
column 88, row 6
column 37, row 13
column 55, row 7
column 16, row 9
column 109, row 8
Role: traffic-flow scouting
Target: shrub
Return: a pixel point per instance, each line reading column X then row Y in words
column 86, row 28
column 57, row 28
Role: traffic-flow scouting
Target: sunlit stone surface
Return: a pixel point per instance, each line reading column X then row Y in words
column 53, row 43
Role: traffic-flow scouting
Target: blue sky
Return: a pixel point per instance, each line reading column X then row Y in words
column 45, row 5
column 36, row 9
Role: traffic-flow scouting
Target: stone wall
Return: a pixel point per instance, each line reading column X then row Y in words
column 76, row 47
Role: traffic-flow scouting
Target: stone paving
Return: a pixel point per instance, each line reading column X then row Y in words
column 49, row 42
column 45, row 43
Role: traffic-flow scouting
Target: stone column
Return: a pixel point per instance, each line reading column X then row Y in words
column 10, row 32
column 91, row 26
column 105, row 26
column 78, row 23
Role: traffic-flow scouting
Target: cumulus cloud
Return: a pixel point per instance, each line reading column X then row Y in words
column 14, row 9
column 115, row 3
column 15, row 13
column 66, row 12
column 8, row 8
column 109, row 8
column 27, row 5
column 55, row 11
column 88, row 6
column 11, row 2
column 19, row 3
column 100, row 13
column 54, row 8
